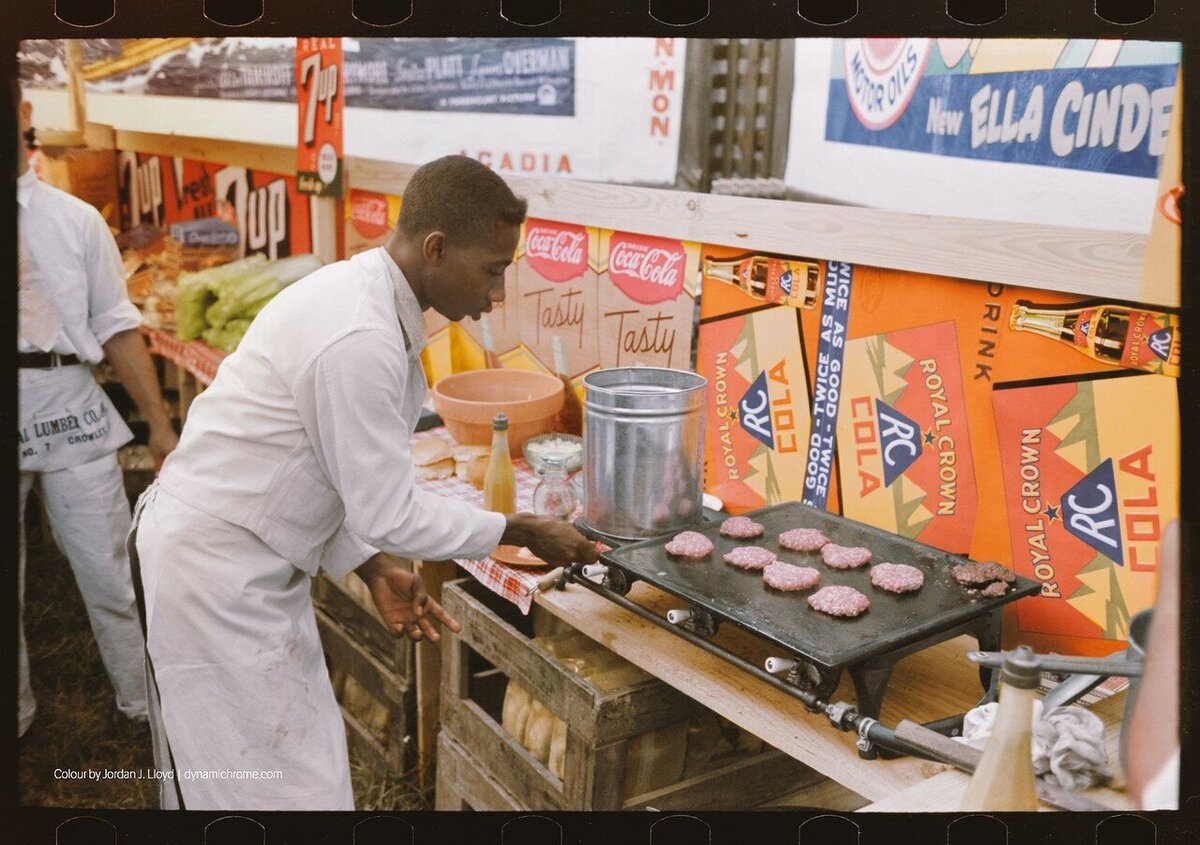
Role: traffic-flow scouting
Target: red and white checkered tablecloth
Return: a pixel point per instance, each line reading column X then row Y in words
column 198, row 358
column 511, row 582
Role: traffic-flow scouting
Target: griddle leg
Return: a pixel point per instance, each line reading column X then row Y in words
column 870, row 684
column 987, row 633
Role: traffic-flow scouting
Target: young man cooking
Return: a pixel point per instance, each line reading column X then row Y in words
column 297, row 459
column 74, row 312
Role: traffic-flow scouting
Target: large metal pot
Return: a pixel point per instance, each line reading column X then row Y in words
column 643, row 454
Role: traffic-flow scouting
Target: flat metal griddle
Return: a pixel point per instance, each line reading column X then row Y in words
column 868, row 645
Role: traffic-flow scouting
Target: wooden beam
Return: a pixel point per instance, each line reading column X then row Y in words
column 1084, row 261
column 264, row 157
column 1089, row 262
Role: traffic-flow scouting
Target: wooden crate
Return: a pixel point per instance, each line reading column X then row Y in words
column 601, row 724
column 377, row 705
column 462, row 783
column 359, row 618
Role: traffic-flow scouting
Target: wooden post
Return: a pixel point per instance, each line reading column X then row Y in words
column 434, row 573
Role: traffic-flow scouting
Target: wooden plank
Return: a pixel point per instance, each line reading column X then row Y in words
column 464, row 785
column 931, row 684
column 326, row 217
column 188, row 390
column 644, row 707
column 376, row 678
column 348, row 659
column 598, row 717
column 1085, row 261
column 606, row 776
column 747, row 107
column 379, row 759
column 365, row 626
column 755, row 778
column 502, row 756
column 563, row 692
column 264, row 157
column 428, row 670
column 824, row 794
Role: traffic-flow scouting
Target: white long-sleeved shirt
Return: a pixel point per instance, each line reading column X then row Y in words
column 79, row 268
column 303, row 438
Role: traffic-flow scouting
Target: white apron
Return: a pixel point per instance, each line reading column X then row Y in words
column 65, row 419
column 244, row 698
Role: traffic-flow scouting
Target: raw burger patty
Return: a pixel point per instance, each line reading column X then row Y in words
column 691, row 544
column 995, row 590
column 741, row 528
column 787, row 576
column 844, row 557
column 837, row 600
column 803, row 539
column 975, row 574
column 750, row 557
column 897, row 577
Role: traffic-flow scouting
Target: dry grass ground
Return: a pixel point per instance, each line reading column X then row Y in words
column 77, row 725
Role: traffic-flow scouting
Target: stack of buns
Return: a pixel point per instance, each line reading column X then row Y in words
column 436, row 459
column 433, row 460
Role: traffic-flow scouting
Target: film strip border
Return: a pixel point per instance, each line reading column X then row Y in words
column 696, row 18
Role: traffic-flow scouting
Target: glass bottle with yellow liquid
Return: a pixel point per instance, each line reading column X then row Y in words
column 499, row 483
column 1115, row 334
column 1004, row 779
column 776, row 280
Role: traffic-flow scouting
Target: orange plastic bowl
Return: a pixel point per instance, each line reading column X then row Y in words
column 468, row 402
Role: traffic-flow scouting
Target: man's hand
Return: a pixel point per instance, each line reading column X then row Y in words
column 127, row 353
column 402, row 601
column 162, row 442
column 555, row 541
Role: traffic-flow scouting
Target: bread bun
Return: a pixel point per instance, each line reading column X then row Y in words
column 436, row 471
column 426, row 452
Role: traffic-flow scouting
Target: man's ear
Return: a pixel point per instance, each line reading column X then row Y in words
column 433, row 248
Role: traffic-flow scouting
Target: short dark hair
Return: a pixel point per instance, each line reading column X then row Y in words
column 457, row 195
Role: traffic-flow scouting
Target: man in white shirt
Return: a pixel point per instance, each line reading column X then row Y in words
column 297, row 459
column 74, row 311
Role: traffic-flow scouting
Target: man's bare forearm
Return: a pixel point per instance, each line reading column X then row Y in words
column 127, row 353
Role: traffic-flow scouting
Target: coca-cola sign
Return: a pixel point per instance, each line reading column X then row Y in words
column 369, row 213
column 647, row 270
column 557, row 251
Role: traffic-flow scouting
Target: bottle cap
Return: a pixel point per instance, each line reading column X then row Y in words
column 500, row 422
column 1022, row 668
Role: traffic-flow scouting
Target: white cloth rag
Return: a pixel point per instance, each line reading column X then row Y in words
column 1067, row 745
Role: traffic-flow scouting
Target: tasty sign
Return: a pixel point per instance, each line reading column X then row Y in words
column 647, row 300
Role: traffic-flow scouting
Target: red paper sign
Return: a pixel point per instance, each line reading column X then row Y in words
column 319, row 90
column 647, row 270
column 557, row 251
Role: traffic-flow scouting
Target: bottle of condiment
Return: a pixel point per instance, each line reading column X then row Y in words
column 1004, row 778
column 499, row 484
column 570, row 418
